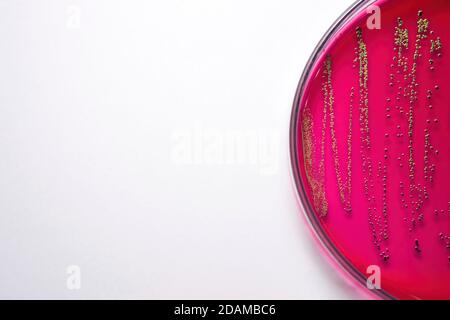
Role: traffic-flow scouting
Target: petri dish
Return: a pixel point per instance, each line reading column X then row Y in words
column 369, row 146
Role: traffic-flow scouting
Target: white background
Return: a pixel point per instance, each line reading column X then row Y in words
column 107, row 110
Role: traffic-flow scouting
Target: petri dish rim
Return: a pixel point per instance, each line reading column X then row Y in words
column 308, row 211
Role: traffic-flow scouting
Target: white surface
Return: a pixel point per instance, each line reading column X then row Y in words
column 111, row 120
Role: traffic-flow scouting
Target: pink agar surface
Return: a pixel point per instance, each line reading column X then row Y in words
column 373, row 145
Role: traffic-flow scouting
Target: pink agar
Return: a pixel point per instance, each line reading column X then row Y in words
column 373, row 147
